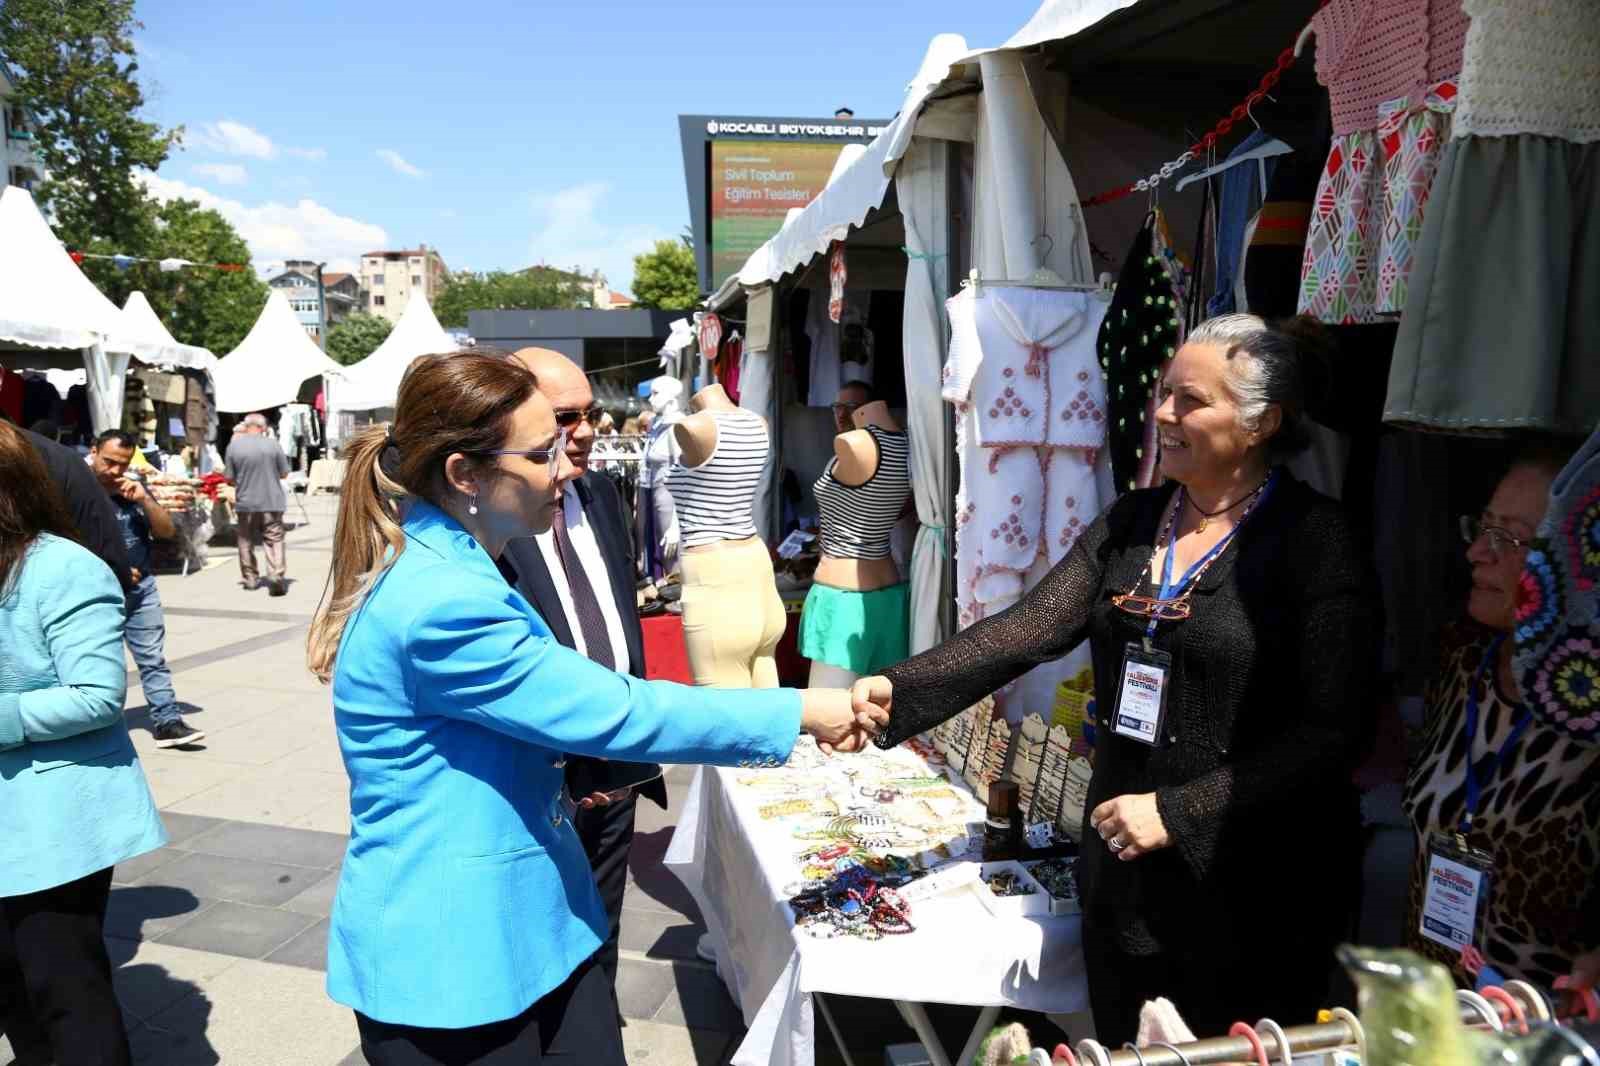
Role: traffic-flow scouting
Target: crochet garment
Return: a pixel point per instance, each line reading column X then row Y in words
column 1531, row 66
column 1372, row 51
column 1269, row 706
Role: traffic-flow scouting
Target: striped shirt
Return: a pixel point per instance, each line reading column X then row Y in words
column 857, row 519
column 715, row 499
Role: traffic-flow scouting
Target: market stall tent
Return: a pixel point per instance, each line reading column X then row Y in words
column 48, row 304
column 271, row 363
column 148, row 341
column 375, row 381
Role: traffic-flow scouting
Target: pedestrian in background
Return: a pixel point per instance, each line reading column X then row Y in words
column 74, row 798
column 256, row 466
column 142, row 521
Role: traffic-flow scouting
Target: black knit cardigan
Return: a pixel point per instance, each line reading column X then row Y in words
column 1270, row 710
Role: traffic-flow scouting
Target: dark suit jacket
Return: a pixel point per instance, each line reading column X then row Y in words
column 87, row 503
column 523, row 565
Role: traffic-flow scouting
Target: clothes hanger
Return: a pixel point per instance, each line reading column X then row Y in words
column 1275, row 1031
column 1495, row 994
column 1305, row 35
column 1343, row 1014
column 1262, row 152
column 1484, row 1008
column 1256, row 1046
column 1535, row 1000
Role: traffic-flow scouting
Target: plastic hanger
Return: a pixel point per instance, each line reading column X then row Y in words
column 1495, row 994
column 1305, row 35
column 1354, row 1024
column 1484, row 1008
column 1274, row 147
column 1276, row 1031
column 1256, row 1046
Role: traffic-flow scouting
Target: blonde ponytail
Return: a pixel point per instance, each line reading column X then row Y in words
column 367, row 539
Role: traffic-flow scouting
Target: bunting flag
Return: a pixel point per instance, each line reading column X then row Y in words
column 123, row 262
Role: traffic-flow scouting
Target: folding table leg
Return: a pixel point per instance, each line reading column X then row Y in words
column 986, row 1020
column 916, row 1016
column 821, row 1003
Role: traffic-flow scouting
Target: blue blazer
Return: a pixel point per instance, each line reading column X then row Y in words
column 465, row 894
column 73, row 798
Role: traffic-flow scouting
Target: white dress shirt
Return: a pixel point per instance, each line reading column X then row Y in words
column 581, row 535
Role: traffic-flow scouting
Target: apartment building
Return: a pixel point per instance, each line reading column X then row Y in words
column 388, row 279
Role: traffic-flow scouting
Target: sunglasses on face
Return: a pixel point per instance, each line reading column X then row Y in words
column 570, row 419
column 550, row 456
column 1500, row 540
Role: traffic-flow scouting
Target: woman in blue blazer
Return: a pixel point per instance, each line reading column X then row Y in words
column 73, row 800
column 466, row 919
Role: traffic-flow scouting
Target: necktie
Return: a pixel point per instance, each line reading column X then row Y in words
column 596, row 638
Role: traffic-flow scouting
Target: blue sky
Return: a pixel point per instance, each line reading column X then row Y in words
column 502, row 133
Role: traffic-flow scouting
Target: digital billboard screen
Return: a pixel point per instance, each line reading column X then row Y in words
column 753, row 185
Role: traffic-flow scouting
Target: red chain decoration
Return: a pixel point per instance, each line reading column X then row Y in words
column 1224, row 126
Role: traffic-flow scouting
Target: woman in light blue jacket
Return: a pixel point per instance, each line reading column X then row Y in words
column 466, row 919
column 73, row 800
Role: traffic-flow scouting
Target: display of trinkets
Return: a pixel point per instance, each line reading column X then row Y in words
column 1052, row 779
column 961, row 737
column 1074, row 798
column 1059, row 878
column 978, row 748
column 853, row 902
column 1009, row 891
column 1026, row 758
column 1006, row 883
column 999, row 750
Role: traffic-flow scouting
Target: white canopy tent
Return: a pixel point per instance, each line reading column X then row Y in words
column 271, row 363
column 148, row 341
column 375, row 381
column 47, row 303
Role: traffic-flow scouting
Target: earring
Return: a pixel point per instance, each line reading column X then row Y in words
column 472, row 508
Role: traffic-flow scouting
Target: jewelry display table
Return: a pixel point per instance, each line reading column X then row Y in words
column 740, row 868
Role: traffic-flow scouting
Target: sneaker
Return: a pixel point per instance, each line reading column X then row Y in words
column 277, row 587
column 175, row 734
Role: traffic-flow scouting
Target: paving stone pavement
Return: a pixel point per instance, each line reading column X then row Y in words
column 220, row 937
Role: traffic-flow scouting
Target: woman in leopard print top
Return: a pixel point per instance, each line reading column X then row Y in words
column 1539, row 814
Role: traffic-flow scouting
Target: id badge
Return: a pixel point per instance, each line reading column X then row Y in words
column 1456, row 896
column 1142, row 694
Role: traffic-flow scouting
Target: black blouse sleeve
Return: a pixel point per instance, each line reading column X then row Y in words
column 1044, row 625
column 1325, row 694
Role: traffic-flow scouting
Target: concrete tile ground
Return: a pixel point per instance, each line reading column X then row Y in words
column 219, row 938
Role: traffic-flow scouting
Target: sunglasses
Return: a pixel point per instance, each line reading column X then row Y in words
column 1500, row 540
column 570, row 419
column 550, row 456
column 1151, row 607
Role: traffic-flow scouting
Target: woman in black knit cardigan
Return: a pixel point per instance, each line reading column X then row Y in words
column 1221, row 858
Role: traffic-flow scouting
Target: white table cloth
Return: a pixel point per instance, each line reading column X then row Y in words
column 737, row 867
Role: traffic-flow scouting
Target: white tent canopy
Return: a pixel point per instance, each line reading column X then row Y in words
column 271, row 363
column 375, row 381
column 47, row 302
column 147, row 340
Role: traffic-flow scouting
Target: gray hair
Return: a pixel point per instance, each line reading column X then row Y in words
column 257, row 421
column 1266, row 368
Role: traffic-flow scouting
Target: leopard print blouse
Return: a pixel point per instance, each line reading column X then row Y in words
column 1539, row 817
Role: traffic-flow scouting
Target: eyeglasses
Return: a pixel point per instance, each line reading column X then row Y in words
column 846, row 408
column 1151, row 607
column 550, row 456
column 570, row 419
column 1500, row 540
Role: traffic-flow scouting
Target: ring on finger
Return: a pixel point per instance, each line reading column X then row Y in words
column 1116, row 844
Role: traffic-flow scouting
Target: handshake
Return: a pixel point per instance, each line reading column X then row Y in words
column 842, row 720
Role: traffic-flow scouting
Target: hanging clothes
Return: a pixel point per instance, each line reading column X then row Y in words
column 12, row 392
column 1139, row 333
column 1277, row 243
column 1502, row 326
column 1244, row 189
column 828, row 373
column 1031, row 421
column 1390, row 67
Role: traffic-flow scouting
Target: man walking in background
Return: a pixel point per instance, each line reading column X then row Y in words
column 256, row 465
column 579, row 576
column 141, row 519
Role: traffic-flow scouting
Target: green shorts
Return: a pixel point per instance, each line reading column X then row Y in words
column 862, row 632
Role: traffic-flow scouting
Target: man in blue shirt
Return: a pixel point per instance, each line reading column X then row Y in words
column 141, row 519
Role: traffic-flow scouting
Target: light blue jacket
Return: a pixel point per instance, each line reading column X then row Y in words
column 73, row 798
column 465, row 894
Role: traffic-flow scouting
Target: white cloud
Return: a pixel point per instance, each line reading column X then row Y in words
column 316, row 155
column 399, row 164
column 277, row 231
column 228, row 137
column 571, row 229
column 223, row 173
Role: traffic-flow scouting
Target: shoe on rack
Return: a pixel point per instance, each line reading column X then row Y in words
column 175, row 734
column 278, row 587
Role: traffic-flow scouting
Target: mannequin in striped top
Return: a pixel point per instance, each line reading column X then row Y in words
column 733, row 617
column 856, row 619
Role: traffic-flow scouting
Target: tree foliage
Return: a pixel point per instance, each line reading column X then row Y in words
column 357, row 337
column 666, row 277
column 200, row 305
column 72, row 67
column 539, row 288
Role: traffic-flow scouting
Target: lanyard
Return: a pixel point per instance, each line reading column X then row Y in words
column 1168, row 589
column 1520, row 726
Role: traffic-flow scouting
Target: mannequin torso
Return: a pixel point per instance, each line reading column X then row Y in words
column 856, row 453
column 696, row 437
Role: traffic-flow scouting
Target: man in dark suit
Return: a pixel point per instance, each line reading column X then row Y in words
column 580, row 578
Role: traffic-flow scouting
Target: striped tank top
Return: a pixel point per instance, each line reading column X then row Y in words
column 857, row 519
column 715, row 499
